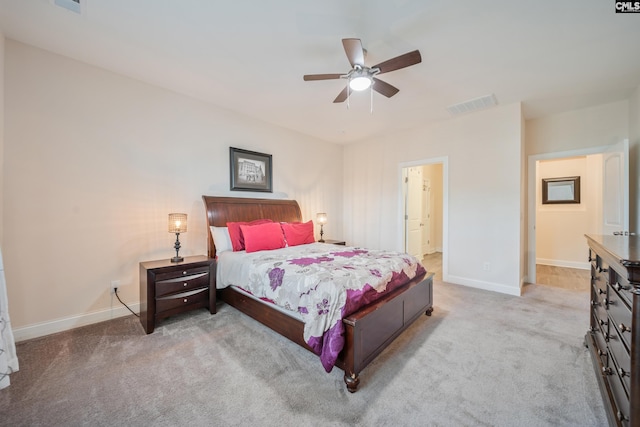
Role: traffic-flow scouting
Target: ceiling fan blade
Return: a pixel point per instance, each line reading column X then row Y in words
column 309, row 77
column 384, row 88
column 342, row 96
column 353, row 49
column 402, row 61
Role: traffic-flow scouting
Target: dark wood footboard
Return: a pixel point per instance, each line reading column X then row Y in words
column 367, row 332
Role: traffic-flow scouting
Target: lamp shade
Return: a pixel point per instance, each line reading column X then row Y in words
column 177, row 223
column 321, row 218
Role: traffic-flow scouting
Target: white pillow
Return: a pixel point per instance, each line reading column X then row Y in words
column 221, row 239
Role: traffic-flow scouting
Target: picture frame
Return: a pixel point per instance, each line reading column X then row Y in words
column 250, row 170
column 561, row 190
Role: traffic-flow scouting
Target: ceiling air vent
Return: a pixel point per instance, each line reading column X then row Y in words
column 473, row 105
column 72, row 5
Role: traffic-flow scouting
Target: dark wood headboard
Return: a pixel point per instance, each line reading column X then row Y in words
column 221, row 210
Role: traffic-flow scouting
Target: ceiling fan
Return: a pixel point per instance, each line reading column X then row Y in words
column 361, row 77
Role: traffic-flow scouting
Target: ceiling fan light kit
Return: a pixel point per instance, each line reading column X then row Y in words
column 361, row 77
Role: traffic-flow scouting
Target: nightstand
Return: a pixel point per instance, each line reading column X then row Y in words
column 335, row 242
column 168, row 288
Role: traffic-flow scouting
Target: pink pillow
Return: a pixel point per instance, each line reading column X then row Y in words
column 262, row 237
column 298, row 233
column 235, row 233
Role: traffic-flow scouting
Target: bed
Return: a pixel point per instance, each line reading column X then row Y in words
column 367, row 331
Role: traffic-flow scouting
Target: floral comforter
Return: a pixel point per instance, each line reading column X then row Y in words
column 323, row 283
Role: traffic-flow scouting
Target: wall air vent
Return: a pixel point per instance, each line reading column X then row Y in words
column 72, row 5
column 473, row 105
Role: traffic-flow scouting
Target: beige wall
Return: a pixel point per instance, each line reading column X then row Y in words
column 560, row 228
column 634, row 160
column 95, row 161
column 2, row 41
column 484, row 160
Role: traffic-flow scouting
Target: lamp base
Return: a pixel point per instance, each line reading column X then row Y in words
column 177, row 259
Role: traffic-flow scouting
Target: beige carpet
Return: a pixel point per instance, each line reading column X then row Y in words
column 482, row 359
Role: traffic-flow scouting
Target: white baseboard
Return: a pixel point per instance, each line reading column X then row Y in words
column 567, row 264
column 59, row 325
column 487, row 286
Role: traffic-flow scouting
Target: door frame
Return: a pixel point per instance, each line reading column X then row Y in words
column 531, row 199
column 445, row 206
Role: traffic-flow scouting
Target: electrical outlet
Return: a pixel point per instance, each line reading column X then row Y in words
column 114, row 284
column 486, row 266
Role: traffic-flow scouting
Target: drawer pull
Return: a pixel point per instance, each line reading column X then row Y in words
column 601, row 353
column 606, row 370
column 185, row 300
column 595, row 303
column 621, row 416
column 600, row 291
column 622, row 372
column 184, row 284
column 602, row 270
column 184, row 273
column 603, row 323
column 624, row 328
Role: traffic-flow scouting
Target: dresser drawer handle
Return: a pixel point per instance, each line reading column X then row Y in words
column 621, row 416
column 185, row 300
column 600, row 291
column 603, row 323
column 624, row 328
column 601, row 353
column 184, row 273
column 606, row 370
column 602, row 270
column 184, row 284
column 622, row 372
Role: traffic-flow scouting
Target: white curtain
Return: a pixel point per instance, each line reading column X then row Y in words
column 8, row 357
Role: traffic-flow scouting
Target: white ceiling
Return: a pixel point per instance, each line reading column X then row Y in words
column 250, row 55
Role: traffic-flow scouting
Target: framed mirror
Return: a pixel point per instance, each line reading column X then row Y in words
column 561, row 190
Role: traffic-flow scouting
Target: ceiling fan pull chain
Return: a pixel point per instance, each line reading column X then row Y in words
column 371, row 103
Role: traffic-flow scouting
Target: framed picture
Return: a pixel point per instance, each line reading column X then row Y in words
column 561, row 190
column 250, row 171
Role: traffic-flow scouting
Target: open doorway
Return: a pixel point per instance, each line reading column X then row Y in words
column 423, row 206
column 603, row 209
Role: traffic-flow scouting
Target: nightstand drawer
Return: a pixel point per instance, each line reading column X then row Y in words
column 182, row 283
column 182, row 272
column 181, row 300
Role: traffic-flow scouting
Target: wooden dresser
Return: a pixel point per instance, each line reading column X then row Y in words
column 614, row 333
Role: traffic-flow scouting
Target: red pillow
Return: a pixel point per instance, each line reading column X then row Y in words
column 235, row 233
column 262, row 237
column 298, row 233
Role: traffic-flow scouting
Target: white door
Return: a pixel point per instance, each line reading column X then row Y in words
column 426, row 217
column 615, row 188
column 414, row 212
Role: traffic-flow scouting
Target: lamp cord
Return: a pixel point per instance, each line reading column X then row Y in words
column 115, row 291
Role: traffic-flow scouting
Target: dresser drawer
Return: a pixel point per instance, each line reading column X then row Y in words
column 182, row 283
column 182, row 299
column 620, row 395
column 599, row 304
column 622, row 286
column 620, row 314
column 599, row 333
column 621, row 357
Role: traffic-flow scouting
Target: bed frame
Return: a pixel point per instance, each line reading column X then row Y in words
column 367, row 332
